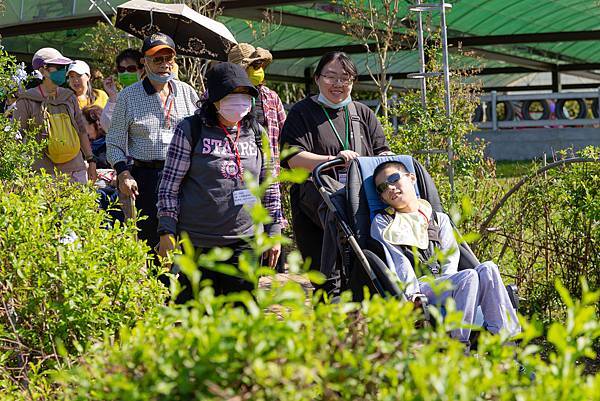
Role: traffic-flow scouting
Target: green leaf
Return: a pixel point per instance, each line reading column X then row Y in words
column 315, row 277
column 557, row 335
column 295, row 175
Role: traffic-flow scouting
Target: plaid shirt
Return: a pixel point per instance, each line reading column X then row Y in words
column 274, row 116
column 177, row 164
column 142, row 126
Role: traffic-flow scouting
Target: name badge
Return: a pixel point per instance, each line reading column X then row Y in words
column 243, row 197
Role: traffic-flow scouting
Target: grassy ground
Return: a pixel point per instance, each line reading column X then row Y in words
column 507, row 169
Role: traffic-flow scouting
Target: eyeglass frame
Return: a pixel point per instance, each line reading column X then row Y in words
column 390, row 180
column 169, row 59
column 337, row 79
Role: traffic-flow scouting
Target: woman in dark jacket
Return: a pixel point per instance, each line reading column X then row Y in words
column 323, row 127
column 202, row 191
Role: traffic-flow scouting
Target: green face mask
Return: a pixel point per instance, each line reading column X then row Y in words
column 59, row 76
column 127, row 78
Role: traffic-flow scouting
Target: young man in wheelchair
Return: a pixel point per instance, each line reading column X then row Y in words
column 408, row 225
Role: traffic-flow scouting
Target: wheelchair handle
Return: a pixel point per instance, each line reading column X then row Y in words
column 316, row 173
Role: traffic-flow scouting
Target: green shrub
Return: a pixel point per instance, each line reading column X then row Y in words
column 549, row 230
column 65, row 278
column 371, row 351
column 546, row 230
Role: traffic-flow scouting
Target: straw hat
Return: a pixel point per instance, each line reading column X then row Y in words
column 245, row 54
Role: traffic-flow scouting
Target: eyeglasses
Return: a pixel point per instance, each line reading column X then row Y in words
column 170, row 59
column 344, row 80
column 389, row 181
column 129, row 68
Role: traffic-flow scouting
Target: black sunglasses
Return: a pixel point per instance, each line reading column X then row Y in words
column 129, row 68
column 389, row 181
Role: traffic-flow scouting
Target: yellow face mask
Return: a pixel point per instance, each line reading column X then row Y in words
column 256, row 76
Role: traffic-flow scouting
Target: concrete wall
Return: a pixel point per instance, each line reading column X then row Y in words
column 526, row 144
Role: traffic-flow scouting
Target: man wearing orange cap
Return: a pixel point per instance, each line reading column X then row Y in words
column 267, row 107
column 142, row 127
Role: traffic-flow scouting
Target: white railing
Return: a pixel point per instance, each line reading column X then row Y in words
column 522, row 118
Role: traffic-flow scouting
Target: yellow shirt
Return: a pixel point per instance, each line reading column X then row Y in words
column 101, row 99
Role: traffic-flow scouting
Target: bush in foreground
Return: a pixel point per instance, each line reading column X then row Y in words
column 368, row 351
column 65, row 278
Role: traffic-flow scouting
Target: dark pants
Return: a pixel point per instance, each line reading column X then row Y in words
column 148, row 180
column 222, row 283
column 308, row 236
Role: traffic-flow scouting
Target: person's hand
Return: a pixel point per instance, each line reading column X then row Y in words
column 91, row 171
column 272, row 256
column 110, row 87
column 127, row 185
column 166, row 244
column 348, row 155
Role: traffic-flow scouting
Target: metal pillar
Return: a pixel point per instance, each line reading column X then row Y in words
column 421, row 59
column 447, row 97
column 556, row 84
column 419, row 8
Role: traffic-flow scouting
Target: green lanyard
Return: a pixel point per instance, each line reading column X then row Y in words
column 345, row 145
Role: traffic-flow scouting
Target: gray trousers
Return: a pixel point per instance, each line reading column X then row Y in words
column 480, row 287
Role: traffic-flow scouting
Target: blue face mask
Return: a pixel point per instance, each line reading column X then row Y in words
column 59, row 77
column 327, row 103
column 163, row 79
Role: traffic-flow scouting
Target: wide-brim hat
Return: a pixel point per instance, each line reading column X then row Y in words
column 224, row 78
column 245, row 54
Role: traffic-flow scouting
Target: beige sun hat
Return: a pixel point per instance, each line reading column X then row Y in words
column 245, row 54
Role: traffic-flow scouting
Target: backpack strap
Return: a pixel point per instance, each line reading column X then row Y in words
column 258, row 131
column 196, row 129
column 355, row 131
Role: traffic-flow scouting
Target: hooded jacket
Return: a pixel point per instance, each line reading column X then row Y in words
column 28, row 111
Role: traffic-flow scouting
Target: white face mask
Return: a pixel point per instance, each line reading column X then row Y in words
column 234, row 107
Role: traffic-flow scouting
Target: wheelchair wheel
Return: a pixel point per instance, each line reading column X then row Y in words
column 385, row 276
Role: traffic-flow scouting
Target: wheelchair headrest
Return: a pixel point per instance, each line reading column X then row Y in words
column 367, row 166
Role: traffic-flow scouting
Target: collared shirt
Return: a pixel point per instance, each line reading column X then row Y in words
column 142, row 124
column 272, row 118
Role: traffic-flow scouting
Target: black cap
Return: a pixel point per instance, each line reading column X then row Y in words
column 156, row 42
column 223, row 78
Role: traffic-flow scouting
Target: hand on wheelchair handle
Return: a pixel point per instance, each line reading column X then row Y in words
column 347, row 155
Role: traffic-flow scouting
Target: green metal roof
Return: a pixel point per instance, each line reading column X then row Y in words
column 530, row 34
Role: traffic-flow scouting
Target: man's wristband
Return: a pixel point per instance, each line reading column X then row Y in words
column 90, row 159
